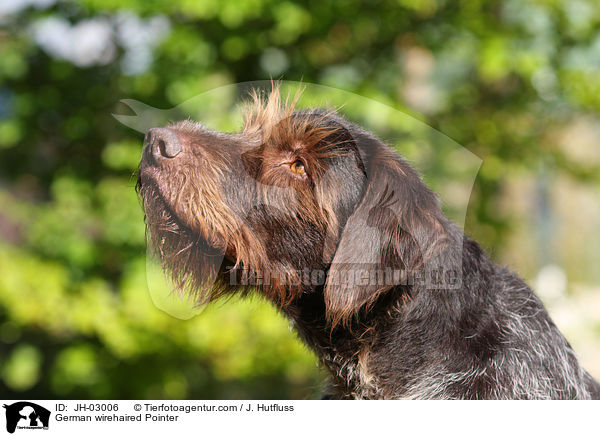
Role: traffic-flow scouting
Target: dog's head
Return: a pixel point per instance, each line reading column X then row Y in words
column 302, row 201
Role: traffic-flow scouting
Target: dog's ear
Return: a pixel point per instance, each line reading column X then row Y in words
column 392, row 232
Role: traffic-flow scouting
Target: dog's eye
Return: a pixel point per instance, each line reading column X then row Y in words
column 297, row 167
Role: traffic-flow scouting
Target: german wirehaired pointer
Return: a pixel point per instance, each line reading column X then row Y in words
column 343, row 236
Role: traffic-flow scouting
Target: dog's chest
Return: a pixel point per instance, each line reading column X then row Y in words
column 346, row 355
column 354, row 378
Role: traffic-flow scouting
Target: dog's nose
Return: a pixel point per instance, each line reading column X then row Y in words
column 163, row 142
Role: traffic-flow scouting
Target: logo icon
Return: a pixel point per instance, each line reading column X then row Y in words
column 26, row 415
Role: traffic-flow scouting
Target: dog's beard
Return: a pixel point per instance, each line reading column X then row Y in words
column 193, row 266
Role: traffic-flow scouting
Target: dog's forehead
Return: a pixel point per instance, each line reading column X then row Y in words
column 294, row 148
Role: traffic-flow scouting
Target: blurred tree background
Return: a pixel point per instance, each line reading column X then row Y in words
column 516, row 82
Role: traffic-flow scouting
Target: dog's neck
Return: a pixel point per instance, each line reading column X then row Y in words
column 358, row 355
column 341, row 349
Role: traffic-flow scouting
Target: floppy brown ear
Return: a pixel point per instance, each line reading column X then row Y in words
column 396, row 226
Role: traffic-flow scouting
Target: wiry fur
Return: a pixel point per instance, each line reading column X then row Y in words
column 228, row 207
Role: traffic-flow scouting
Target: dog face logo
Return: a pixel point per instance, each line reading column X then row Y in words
column 26, row 415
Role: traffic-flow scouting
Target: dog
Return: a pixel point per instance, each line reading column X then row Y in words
column 341, row 234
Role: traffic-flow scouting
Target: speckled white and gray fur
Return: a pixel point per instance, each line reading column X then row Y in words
column 536, row 362
column 533, row 360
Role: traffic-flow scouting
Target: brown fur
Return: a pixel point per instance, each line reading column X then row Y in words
column 190, row 224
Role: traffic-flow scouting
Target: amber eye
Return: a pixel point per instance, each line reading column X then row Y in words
column 297, row 167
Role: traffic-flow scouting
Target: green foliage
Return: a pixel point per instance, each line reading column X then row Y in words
column 76, row 317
